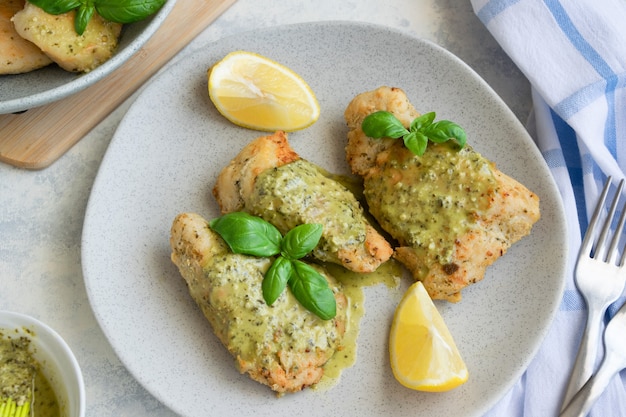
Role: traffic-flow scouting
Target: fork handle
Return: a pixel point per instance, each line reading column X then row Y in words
column 586, row 357
column 594, row 387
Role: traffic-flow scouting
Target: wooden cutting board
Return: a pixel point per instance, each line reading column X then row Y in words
column 38, row 137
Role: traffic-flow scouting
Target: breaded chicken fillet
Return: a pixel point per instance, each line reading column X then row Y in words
column 268, row 179
column 17, row 55
column 451, row 210
column 283, row 346
column 56, row 36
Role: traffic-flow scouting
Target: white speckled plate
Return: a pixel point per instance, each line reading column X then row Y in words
column 25, row 91
column 164, row 160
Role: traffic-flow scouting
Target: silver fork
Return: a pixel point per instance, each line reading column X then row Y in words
column 613, row 362
column 600, row 279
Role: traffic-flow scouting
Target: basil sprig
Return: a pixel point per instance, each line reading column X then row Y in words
column 118, row 11
column 383, row 124
column 251, row 235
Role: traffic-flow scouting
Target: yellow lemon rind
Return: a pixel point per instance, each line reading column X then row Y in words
column 425, row 333
column 301, row 96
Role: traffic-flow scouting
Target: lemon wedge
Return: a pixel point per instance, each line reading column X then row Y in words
column 255, row 92
column 423, row 354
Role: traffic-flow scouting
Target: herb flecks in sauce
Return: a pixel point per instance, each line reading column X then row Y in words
column 280, row 192
column 252, row 235
column 17, row 369
column 427, row 201
column 253, row 331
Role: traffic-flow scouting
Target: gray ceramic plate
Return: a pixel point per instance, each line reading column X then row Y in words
column 164, row 159
column 26, row 91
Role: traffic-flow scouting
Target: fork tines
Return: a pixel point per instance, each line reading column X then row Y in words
column 600, row 250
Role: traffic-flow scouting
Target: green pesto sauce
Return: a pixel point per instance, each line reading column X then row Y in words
column 17, row 370
column 353, row 284
column 353, row 184
column 232, row 299
column 298, row 193
column 251, row 326
column 427, row 201
column 46, row 403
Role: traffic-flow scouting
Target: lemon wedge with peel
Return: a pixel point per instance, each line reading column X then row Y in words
column 255, row 92
column 423, row 354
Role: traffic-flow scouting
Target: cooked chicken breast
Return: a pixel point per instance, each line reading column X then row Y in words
column 268, row 179
column 56, row 37
column 17, row 55
column 452, row 211
column 283, row 346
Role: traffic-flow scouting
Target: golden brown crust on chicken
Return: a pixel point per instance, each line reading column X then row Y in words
column 283, row 346
column 56, row 37
column 452, row 219
column 237, row 179
column 268, row 179
column 510, row 217
column 17, row 55
column 362, row 151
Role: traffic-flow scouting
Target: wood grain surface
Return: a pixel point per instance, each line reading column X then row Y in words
column 38, row 137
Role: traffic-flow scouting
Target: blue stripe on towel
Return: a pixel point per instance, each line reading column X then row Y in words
column 580, row 99
column 493, row 8
column 596, row 61
column 573, row 162
column 572, row 301
column 576, row 38
column 554, row 158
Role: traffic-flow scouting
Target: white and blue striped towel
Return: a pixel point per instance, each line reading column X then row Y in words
column 573, row 52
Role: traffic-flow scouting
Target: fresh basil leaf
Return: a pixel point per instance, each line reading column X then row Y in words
column 416, row 142
column 312, row 290
column 422, row 121
column 119, row 11
column 383, row 124
column 275, row 279
column 248, row 234
column 444, row 130
column 423, row 128
column 83, row 15
column 56, row 6
column 127, row 11
column 301, row 240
